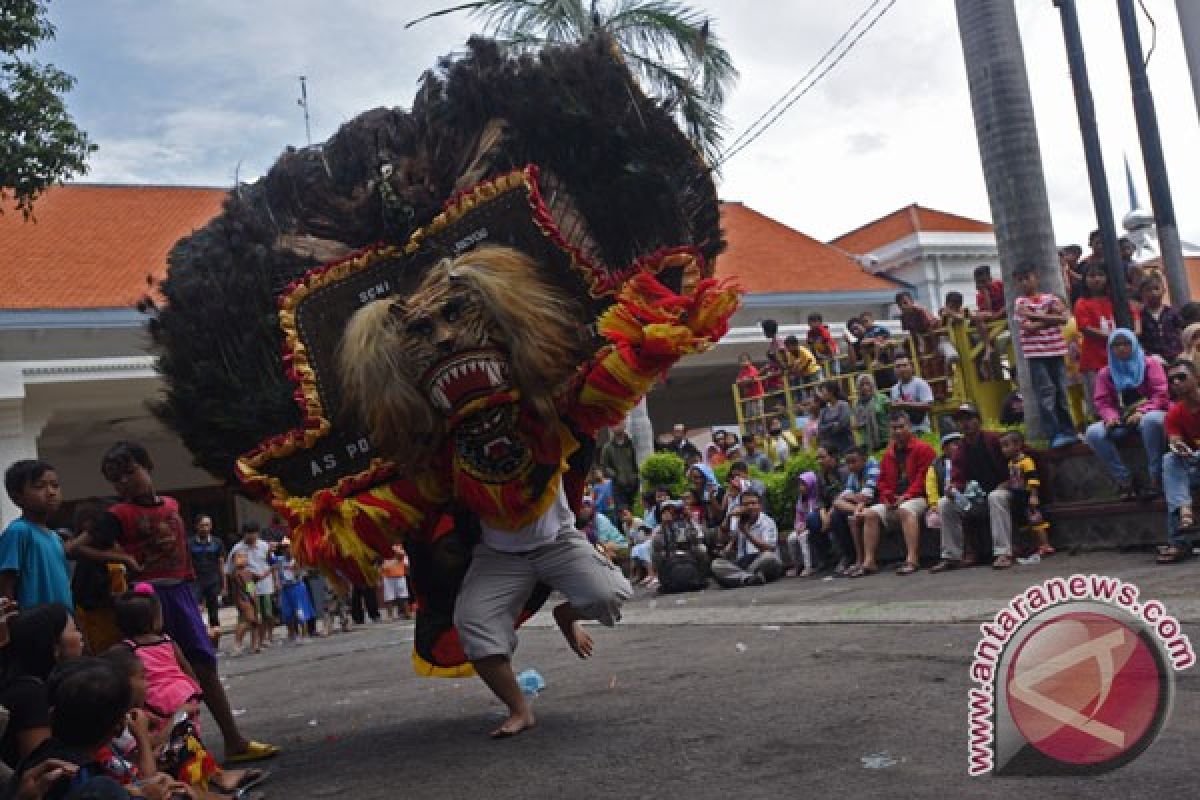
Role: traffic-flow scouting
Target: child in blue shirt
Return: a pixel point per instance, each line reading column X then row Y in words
column 33, row 564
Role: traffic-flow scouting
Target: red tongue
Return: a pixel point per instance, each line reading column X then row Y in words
column 472, row 383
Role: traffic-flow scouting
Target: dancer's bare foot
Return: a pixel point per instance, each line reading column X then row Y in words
column 572, row 630
column 516, row 723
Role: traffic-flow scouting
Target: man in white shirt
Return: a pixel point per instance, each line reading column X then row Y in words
column 258, row 560
column 911, row 395
column 751, row 557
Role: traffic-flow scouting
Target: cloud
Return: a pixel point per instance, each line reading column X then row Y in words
column 863, row 143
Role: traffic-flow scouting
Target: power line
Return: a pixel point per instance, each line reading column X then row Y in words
column 731, row 153
column 783, row 97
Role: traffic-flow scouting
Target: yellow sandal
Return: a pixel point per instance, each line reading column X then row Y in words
column 255, row 751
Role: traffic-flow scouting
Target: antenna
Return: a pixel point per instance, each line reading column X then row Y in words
column 303, row 103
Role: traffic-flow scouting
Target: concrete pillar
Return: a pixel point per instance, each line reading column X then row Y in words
column 19, row 430
column 1189, row 27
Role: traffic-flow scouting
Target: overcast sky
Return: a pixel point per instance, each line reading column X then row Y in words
column 196, row 91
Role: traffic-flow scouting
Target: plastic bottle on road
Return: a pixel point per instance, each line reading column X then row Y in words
column 531, row 682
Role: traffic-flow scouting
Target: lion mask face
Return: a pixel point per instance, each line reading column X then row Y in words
column 477, row 327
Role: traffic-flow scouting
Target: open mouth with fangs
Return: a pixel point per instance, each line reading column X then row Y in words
column 457, row 381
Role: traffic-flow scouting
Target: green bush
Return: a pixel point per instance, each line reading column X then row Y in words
column 663, row 469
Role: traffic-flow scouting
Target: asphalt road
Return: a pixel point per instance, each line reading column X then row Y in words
column 795, row 689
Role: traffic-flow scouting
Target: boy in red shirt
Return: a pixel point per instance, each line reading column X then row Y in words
column 822, row 344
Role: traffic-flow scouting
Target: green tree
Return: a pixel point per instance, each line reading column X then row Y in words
column 40, row 144
column 669, row 46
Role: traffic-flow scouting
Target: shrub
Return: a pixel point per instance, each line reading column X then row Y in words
column 664, row 469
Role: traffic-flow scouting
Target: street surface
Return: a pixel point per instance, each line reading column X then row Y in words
column 805, row 688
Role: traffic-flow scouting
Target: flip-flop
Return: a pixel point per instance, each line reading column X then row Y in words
column 255, row 751
column 253, row 777
column 907, row 568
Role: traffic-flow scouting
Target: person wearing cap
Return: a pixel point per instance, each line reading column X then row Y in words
column 902, row 501
column 979, row 459
column 938, row 478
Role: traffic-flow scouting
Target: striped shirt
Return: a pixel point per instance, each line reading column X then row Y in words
column 1044, row 342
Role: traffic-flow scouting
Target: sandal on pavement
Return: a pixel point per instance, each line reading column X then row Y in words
column 1175, row 554
column 1046, row 550
column 907, row 568
column 1002, row 562
column 255, row 751
column 1187, row 521
column 859, row 571
column 945, row 565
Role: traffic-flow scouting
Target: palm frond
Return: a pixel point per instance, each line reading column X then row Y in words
column 699, row 117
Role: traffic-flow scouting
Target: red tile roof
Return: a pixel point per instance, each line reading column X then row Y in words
column 766, row 256
column 93, row 246
column 905, row 222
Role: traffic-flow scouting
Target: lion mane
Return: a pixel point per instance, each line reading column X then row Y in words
column 510, row 305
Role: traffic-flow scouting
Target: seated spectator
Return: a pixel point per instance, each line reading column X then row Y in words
column 40, row 638
column 870, row 415
column 733, row 447
column 916, row 321
column 749, row 556
column 1012, row 411
column 912, row 395
column 1131, row 398
column 876, row 344
column 737, row 481
column 90, row 701
column 681, row 558
column 807, row 525
column 850, row 506
column 679, row 444
column 834, row 425
column 822, row 344
column 989, row 305
column 641, row 554
column 806, row 423
column 601, row 492
column 938, row 478
column 750, row 388
column 902, row 500
column 601, row 532
column 1026, row 485
column 979, row 462
column 855, row 332
column 1162, row 327
column 1181, row 465
column 755, row 458
column 780, row 444
column 714, row 454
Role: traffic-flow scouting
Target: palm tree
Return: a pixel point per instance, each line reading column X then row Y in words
column 670, row 47
column 1008, row 147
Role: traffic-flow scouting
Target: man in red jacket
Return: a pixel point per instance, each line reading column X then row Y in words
column 901, row 492
column 977, row 460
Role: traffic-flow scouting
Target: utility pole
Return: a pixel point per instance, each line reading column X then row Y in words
column 1101, row 200
column 1170, row 250
column 303, row 103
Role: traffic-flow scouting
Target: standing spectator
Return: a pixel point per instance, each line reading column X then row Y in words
column 854, row 337
column 1133, row 273
column 1040, row 317
column 822, row 344
column 208, row 559
column 395, row 583
column 755, row 458
column 749, row 558
column 96, row 580
column 1068, row 259
column 1181, row 465
column 750, row 388
column 148, row 527
column 912, row 395
column 834, row 426
column 259, row 562
column 870, row 415
column 1162, row 327
column 295, row 606
column 780, row 444
column 33, row 563
column 1131, row 397
column 619, row 462
column 802, row 366
column 1095, row 319
column 39, row 638
column 902, row 497
column 680, row 445
column 850, row 506
column 980, row 462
